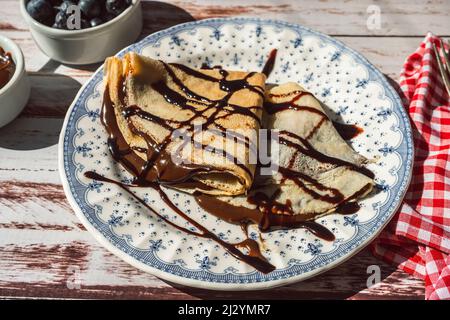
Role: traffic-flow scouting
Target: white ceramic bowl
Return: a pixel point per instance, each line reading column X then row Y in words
column 90, row 45
column 14, row 95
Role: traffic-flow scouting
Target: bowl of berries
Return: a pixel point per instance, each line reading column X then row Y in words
column 82, row 31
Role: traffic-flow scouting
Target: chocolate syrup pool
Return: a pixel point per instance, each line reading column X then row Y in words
column 7, row 67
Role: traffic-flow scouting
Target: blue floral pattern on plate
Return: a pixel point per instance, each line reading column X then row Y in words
column 346, row 82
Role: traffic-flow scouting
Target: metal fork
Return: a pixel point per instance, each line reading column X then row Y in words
column 444, row 68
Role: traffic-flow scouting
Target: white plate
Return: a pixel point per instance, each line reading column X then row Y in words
column 351, row 87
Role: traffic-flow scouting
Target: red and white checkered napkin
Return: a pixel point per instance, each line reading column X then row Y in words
column 417, row 240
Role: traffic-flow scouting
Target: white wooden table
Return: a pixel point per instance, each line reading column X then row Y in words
column 42, row 243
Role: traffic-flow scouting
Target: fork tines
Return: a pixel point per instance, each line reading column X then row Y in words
column 444, row 67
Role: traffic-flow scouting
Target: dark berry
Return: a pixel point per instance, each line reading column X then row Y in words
column 85, row 24
column 108, row 16
column 61, row 19
column 96, row 22
column 40, row 10
column 116, row 7
column 59, row 26
column 90, row 8
column 65, row 5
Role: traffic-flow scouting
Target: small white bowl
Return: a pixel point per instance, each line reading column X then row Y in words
column 89, row 45
column 15, row 94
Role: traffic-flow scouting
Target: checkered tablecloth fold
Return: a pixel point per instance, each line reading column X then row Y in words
column 417, row 240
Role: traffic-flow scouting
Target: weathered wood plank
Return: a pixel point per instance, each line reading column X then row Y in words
column 386, row 53
column 52, row 95
column 42, row 243
column 48, row 270
column 402, row 17
column 28, row 150
column 55, row 86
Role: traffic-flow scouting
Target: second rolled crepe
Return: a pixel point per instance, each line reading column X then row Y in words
column 315, row 170
column 193, row 129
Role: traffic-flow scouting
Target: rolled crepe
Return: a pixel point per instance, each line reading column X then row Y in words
column 193, row 129
column 317, row 170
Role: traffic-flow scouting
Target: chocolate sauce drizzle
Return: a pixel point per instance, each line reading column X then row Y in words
column 270, row 63
column 270, row 214
column 347, row 131
column 158, row 168
column 205, row 66
column 7, row 67
column 303, row 146
column 254, row 256
column 159, row 164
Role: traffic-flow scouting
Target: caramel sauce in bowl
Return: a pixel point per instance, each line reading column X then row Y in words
column 14, row 84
